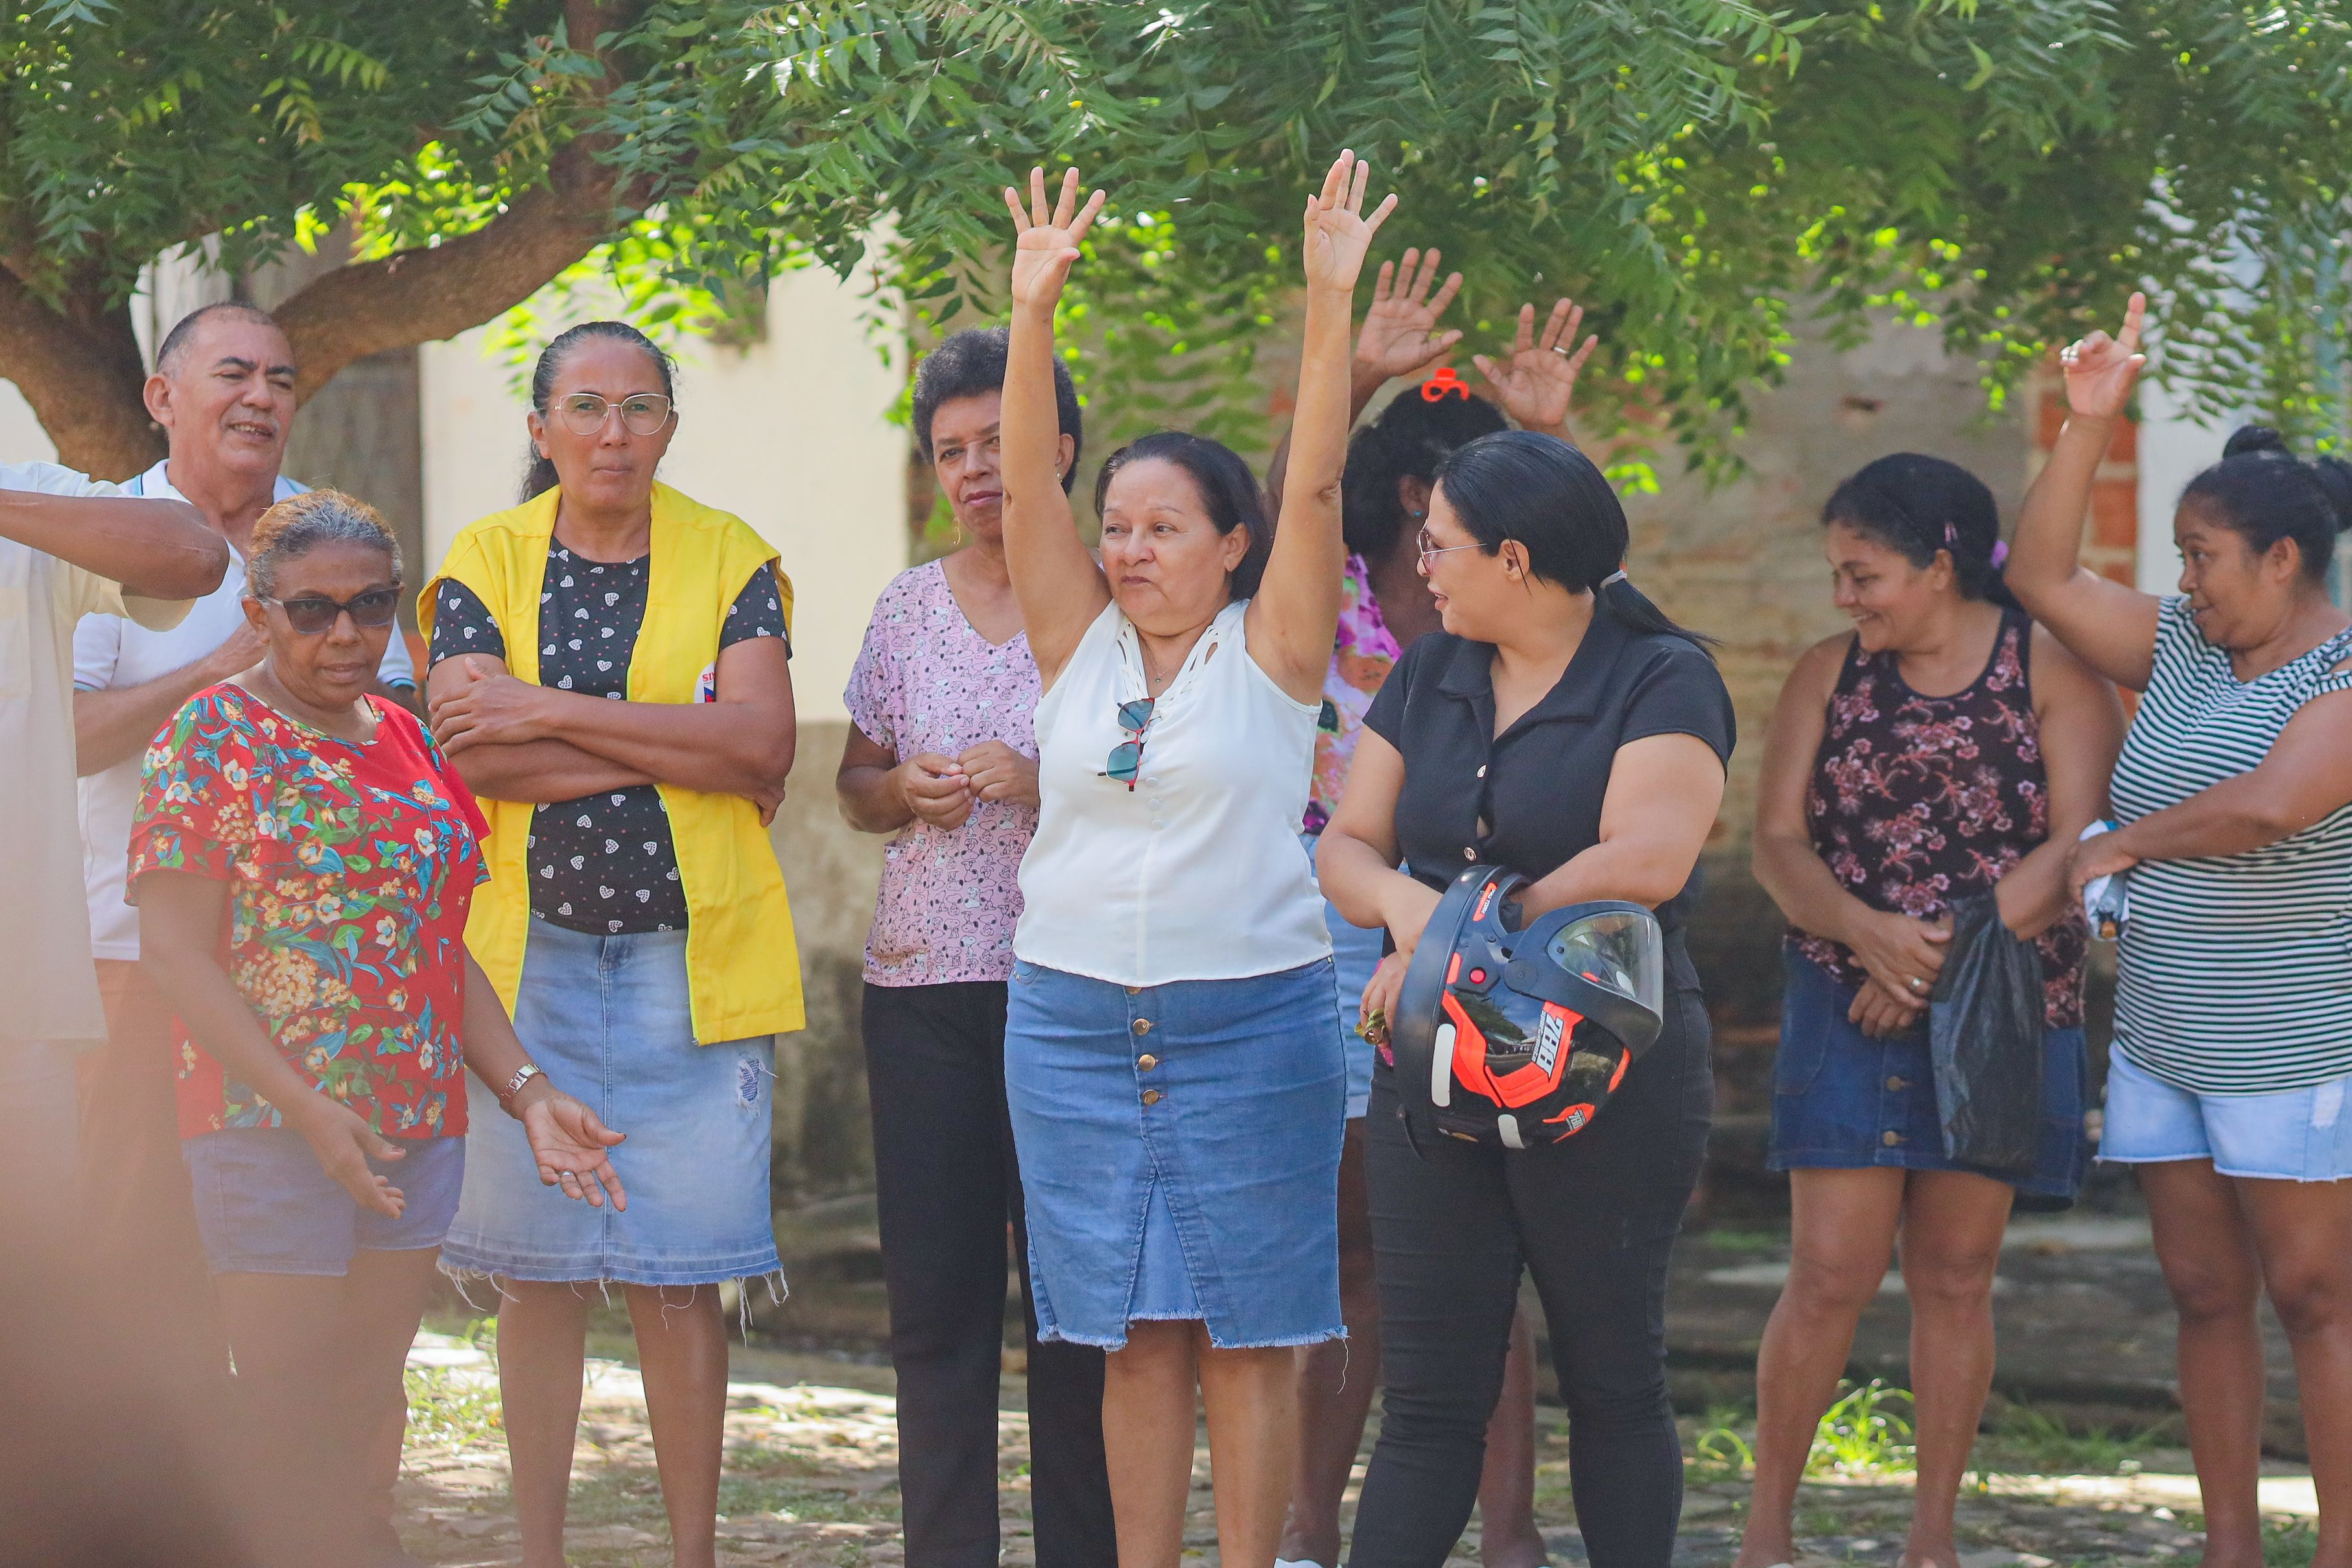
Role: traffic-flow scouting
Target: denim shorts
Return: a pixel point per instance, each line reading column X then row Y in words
column 1843, row 1101
column 2290, row 1134
column 1179, row 1153
column 609, row 1020
column 266, row 1205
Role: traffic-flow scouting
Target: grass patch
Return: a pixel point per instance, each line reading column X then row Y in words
column 2021, row 1439
column 1863, row 1433
column 2289, row 1545
column 1746, row 1241
column 447, row 1410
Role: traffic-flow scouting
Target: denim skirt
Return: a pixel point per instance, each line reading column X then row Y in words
column 1179, row 1153
column 1843, row 1101
column 608, row 1019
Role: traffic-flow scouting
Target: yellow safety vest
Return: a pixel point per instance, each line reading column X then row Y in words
column 742, row 960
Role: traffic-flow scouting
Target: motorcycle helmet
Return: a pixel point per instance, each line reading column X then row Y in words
column 1517, row 1035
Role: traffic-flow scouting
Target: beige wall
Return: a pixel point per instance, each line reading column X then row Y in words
column 790, row 433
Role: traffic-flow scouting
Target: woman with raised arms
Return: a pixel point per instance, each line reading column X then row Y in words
column 1172, row 1055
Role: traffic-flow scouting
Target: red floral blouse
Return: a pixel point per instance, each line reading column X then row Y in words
column 1916, row 802
column 351, row 869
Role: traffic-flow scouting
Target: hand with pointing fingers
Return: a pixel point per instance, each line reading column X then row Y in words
column 1047, row 238
column 1535, row 383
column 2100, row 369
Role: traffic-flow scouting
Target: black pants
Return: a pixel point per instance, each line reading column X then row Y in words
column 947, row 1185
column 1594, row 1218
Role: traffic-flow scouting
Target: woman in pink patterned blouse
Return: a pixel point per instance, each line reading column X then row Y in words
column 942, row 757
column 1385, row 607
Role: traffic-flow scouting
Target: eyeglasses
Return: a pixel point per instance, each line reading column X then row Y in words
column 313, row 614
column 1430, row 548
column 1127, row 757
column 642, row 414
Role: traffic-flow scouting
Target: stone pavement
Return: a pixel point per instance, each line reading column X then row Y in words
column 812, row 1483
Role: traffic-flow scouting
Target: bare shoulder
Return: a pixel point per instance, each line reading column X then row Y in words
column 1817, row 667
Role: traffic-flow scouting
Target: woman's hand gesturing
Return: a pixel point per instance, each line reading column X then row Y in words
column 2100, row 369
column 571, row 1144
column 1048, row 237
column 1338, row 234
column 1537, row 380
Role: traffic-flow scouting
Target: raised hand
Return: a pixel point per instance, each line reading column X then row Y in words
column 1538, row 378
column 1400, row 335
column 2100, row 369
column 1338, row 236
column 1048, row 237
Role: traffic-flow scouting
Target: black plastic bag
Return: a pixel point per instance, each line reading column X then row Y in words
column 1984, row 1025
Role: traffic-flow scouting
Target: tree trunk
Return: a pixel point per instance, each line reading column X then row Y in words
column 81, row 370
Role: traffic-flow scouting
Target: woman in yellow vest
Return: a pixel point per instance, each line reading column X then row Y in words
column 609, row 673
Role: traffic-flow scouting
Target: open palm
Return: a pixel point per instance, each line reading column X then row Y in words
column 2100, row 369
column 1048, row 237
column 1537, row 383
column 1400, row 335
column 1338, row 236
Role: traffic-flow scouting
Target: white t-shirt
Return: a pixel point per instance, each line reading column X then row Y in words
column 51, row 990
column 1196, row 873
column 110, row 652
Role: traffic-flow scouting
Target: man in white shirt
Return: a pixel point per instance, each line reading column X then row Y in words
column 224, row 392
column 69, row 546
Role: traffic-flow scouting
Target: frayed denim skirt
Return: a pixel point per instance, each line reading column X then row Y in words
column 609, row 1020
column 1179, row 1153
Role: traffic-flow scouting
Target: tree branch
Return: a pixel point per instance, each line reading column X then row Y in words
column 80, row 370
column 437, row 291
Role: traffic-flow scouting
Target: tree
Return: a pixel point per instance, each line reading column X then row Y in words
column 1702, row 172
column 474, row 149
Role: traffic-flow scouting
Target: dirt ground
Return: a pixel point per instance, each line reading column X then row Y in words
column 812, row 1481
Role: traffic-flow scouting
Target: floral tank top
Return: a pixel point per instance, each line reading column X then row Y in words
column 1362, row 654
column 1916, row 802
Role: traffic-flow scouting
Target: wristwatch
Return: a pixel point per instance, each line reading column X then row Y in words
column 523, row 1074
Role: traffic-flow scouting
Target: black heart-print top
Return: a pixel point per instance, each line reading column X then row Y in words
column 603, row 863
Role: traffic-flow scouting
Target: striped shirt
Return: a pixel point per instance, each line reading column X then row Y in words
column 2235, row 974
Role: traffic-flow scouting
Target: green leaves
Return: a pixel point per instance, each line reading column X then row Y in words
column 1697, row 172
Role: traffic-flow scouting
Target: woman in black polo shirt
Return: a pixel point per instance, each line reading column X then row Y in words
column 1562, row 727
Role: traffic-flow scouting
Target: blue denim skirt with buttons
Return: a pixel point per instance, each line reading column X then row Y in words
column 1179, row 1153
column 1843, row 1101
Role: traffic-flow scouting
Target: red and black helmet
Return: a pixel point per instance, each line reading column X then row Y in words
column 1519, row 1036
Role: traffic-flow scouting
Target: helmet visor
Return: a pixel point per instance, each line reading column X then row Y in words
column 1619, row 950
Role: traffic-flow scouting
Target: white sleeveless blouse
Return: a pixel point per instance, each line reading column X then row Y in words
column 1197, row 873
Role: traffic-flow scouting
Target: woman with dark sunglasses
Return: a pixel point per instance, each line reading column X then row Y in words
column 609, row 671
column 1172, row 1056
column 304, row 857
column 1558, row 724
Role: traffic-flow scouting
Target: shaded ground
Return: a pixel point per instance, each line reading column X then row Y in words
column 812, row 1482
